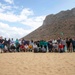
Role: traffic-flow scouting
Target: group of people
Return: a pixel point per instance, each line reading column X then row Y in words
column 22, row 45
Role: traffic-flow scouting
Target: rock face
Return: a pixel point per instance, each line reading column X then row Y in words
column 61, row 24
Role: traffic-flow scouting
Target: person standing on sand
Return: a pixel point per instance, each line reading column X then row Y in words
column 8, row 44
column 69, row 45
column 12, row 41
column 73, row 44
column 53, row 42
column 17, row 45
column 5, row 45
column 50, row 47
column 59, row 40
column 63, row 41
column 1, row 44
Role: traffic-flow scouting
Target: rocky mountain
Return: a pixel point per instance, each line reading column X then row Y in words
column 57, row 25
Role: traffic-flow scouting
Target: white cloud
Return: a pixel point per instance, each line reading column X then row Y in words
column 1, row 10
column 9, row 1
column 24, row 14
column 5, row 8
column 0, row 4
column 12, row 32
column 10, row 17
column 27, row 12
column 25, row 17
column 34, row 22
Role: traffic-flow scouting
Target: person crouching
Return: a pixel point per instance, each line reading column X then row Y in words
column 12, row 48
column 61, row 47
column 22, row 48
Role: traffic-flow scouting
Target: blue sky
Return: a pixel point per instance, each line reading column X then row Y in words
column 20, row 17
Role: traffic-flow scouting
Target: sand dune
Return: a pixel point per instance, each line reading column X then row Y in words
column 37, row 63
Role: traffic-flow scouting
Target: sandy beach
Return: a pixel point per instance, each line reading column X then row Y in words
column 37, row 63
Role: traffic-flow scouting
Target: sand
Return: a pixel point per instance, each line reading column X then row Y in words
column 37, row 63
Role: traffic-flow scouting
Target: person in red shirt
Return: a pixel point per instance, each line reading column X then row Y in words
column 60, row 47
column 22, row 48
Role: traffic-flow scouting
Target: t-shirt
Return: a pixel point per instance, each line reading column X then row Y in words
column 34, row 46
column 22, row 46
column 73, row 42
column 61, row 46
column 30, row 46
column 26, row 46
column 68, row 43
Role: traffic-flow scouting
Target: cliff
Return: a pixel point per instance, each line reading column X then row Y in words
column 61, row 24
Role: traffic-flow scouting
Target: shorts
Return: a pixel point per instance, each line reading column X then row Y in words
column 1, row 46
